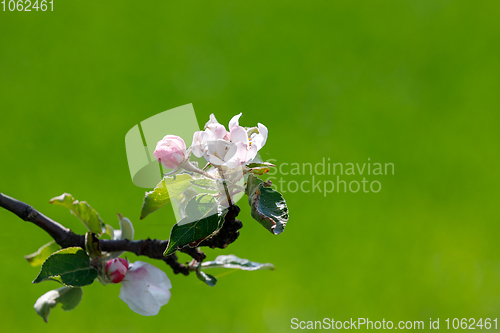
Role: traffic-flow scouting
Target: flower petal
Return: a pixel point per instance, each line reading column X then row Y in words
column 238, row 134
column 259, row 139
column 161, row 293
column 212, row 121
column 138, row 298
column 234, row 121
column 145, row 288
column 200, row 139
column 239, row 157
column 142, row 270
column 216, row 131
column 252, row 152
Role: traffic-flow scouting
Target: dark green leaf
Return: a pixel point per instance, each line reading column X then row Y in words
column 72, row 265
column 36, row 259
column 82, row 210
column 268, row 206
column 207, row 278
column 67, row 296
column 203, row 219
column 233, row 262
column 253, row 184
column 167, row 188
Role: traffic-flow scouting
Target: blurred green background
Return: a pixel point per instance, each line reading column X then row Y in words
column 414, row 83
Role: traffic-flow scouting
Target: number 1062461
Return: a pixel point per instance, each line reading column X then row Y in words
column 27, row 5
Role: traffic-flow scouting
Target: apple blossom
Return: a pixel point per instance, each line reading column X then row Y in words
column 233, row 149
column 171, row 151
column 145, row 288
column 116, row 269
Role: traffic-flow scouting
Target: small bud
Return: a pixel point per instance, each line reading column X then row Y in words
column 171, row 151
column 116, row 269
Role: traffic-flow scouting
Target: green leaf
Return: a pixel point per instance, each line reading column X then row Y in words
column 268, row 206
column 67, row 296
column 259, row 171
column 203, row 220
column 233, row 262
column 72, row 265
column 253, row 184
column 260, row 164
column 36, row 259
column 82, row 210
column 160, row 196
column 207, row 278
column 109, row 233
column 205, row 183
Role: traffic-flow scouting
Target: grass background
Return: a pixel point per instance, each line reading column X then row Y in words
column 414, row 83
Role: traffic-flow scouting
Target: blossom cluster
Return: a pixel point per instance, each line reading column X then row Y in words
column 231, row 149
column 144, row 287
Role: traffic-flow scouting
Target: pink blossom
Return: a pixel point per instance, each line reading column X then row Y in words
column 171, row 151
column 116, row 269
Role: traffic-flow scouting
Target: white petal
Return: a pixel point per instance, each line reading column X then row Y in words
column 160, row 293
column 239, row 157
column 141, row 270
column 259, row 139
column 234, row 121
column 210, row 154
column 263, row 131
column 200, row 139
column 214, row 160
column 138, row 298
column 145, row 288
column 212, row 121
column 252, row 152
column 238, row 134
column 216, row 131
column 225, row 149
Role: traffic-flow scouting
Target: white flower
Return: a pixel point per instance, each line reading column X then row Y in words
column 145, row 288
column 233, row 149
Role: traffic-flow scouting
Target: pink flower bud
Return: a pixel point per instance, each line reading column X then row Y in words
column 170, row 151
column 116, row 269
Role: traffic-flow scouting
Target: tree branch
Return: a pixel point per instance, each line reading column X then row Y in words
column 151, row 248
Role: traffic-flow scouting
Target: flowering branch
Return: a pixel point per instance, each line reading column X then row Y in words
column 151, row 248
column 204, row 200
